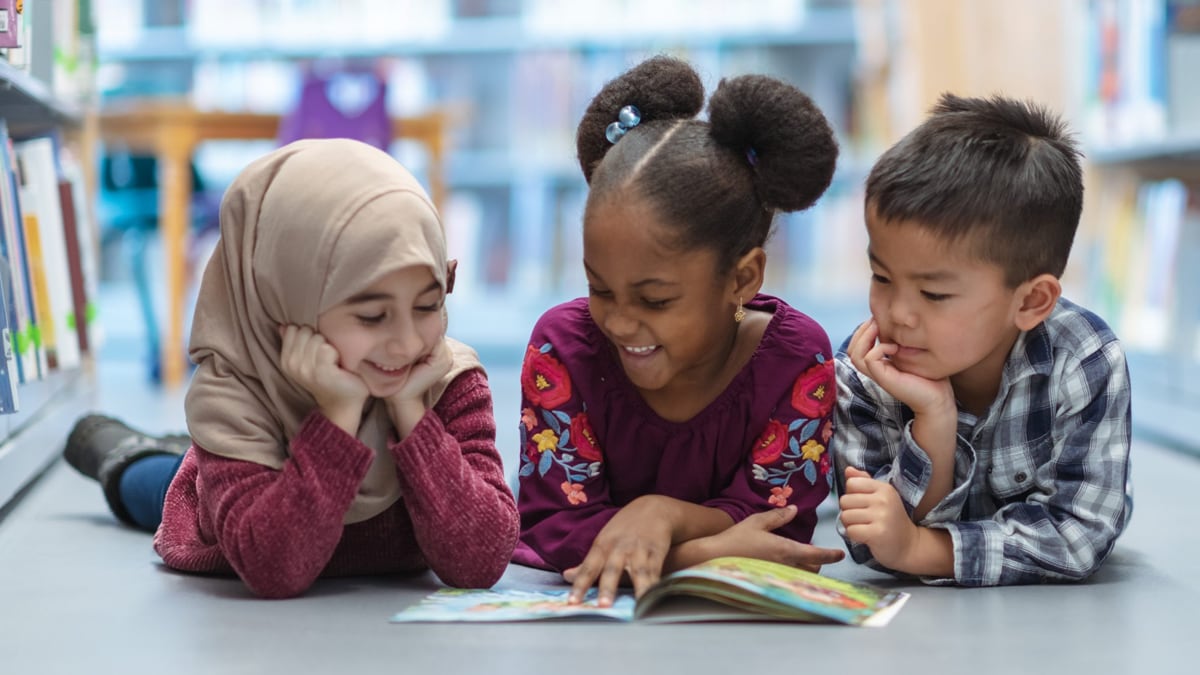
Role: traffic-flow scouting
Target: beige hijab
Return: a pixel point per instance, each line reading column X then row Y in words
column 303, row 229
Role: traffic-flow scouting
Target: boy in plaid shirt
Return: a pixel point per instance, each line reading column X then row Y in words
column 983, row 421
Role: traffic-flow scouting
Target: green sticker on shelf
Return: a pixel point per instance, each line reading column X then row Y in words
column 90, row 312
column 71, row 320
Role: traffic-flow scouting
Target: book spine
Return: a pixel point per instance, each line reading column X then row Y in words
column 39, row 165
column 10, row 33
column 28, row 343
column 9, row 369
column 78, row 317
column 43, row 332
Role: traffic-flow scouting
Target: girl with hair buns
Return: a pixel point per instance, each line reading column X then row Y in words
column 336, row 430
column 676, row 414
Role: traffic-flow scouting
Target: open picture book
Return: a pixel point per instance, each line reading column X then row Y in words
column 722, row 589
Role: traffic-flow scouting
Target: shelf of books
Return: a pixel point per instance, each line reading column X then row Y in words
column 47, row 256
column 1141, row 236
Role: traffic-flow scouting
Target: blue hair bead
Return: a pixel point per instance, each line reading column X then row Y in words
column 628, row 117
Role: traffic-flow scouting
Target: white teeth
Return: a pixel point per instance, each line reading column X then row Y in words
column 386, row 369
column 640, row 350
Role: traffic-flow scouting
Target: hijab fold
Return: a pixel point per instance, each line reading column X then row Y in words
column 303, row 229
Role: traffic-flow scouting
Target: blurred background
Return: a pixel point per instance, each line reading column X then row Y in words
column 150, row 107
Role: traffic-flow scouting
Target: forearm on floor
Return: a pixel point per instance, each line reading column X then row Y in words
column 931, row 555
column 937, row 436
column 694, row 543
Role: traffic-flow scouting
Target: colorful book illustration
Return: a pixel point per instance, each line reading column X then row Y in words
column 722, row 589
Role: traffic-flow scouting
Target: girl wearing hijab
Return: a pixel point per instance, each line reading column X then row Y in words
column 334, row 428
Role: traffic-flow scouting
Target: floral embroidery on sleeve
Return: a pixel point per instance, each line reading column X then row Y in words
column 814, row 392
column 799, row 447
column 552, row 437
column 544, row 380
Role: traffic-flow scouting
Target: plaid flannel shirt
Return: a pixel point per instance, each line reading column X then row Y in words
column 1039, row 481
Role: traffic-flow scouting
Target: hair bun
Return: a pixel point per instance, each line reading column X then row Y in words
column 793, row 148
column 662, row 88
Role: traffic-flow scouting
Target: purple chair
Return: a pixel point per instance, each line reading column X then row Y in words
column 343, row 103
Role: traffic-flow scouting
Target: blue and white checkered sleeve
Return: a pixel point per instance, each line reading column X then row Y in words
column 1067, row 524
column 873, row 433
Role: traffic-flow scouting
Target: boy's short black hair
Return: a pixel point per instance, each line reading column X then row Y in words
column 1000, row 173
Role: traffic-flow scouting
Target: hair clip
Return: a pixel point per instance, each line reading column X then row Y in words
column 752, row 157
column 627, row 118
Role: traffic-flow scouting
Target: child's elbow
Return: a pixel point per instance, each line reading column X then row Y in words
column 1085, row 566
column 485, row 568
column 475, row 576
column 279, row 587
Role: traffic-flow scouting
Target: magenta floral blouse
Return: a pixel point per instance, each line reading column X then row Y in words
column 591, row 444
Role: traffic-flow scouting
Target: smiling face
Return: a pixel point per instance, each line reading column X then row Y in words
column 380, row 332
column 950, row 313
column 666, row 312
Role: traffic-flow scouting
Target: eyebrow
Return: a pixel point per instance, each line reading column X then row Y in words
column 653, row 281
column 371, row 296
column 936, row 275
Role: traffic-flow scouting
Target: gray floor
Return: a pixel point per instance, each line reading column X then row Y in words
column 79, row 594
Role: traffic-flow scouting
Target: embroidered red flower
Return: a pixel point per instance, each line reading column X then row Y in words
column 528, row 419
column 574, row 492
column 826, row 431
column 814, row 392
column 779, row 496
column 823, row 464
column 585, row 438
column 771, row 444
column 544, row 380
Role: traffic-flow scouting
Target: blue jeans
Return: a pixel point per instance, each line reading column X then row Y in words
column 144, row 488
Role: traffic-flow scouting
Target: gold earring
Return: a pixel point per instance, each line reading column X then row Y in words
column 740, row 313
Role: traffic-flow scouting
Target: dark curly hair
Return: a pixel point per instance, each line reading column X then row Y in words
column 1002, row 174
column 765, row 148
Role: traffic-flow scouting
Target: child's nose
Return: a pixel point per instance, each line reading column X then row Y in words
column 619, row 324
column 404, row 343
column 901, row 313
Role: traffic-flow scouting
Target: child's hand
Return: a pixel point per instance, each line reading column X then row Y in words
column 312, row 363
column 873, row 514
column 872, row 357
column 407, row 406
column 426, row 371
column 634, row 542
column 753, row 538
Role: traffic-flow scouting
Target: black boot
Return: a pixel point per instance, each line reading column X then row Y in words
column 102, row 448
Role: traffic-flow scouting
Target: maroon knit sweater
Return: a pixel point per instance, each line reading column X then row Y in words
column 281, row 529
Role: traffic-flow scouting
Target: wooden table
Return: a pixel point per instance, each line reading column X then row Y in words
column 171, row 131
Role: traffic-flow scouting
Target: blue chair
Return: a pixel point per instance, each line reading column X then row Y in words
column 128, row 211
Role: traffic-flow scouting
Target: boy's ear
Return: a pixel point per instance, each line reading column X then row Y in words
column 748, row 274
column 1037, row 298
column 451, row 268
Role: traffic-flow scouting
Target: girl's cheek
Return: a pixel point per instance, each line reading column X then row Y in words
column 433, row 330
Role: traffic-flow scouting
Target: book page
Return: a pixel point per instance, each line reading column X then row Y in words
column 779, row 591
column 510, row 605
